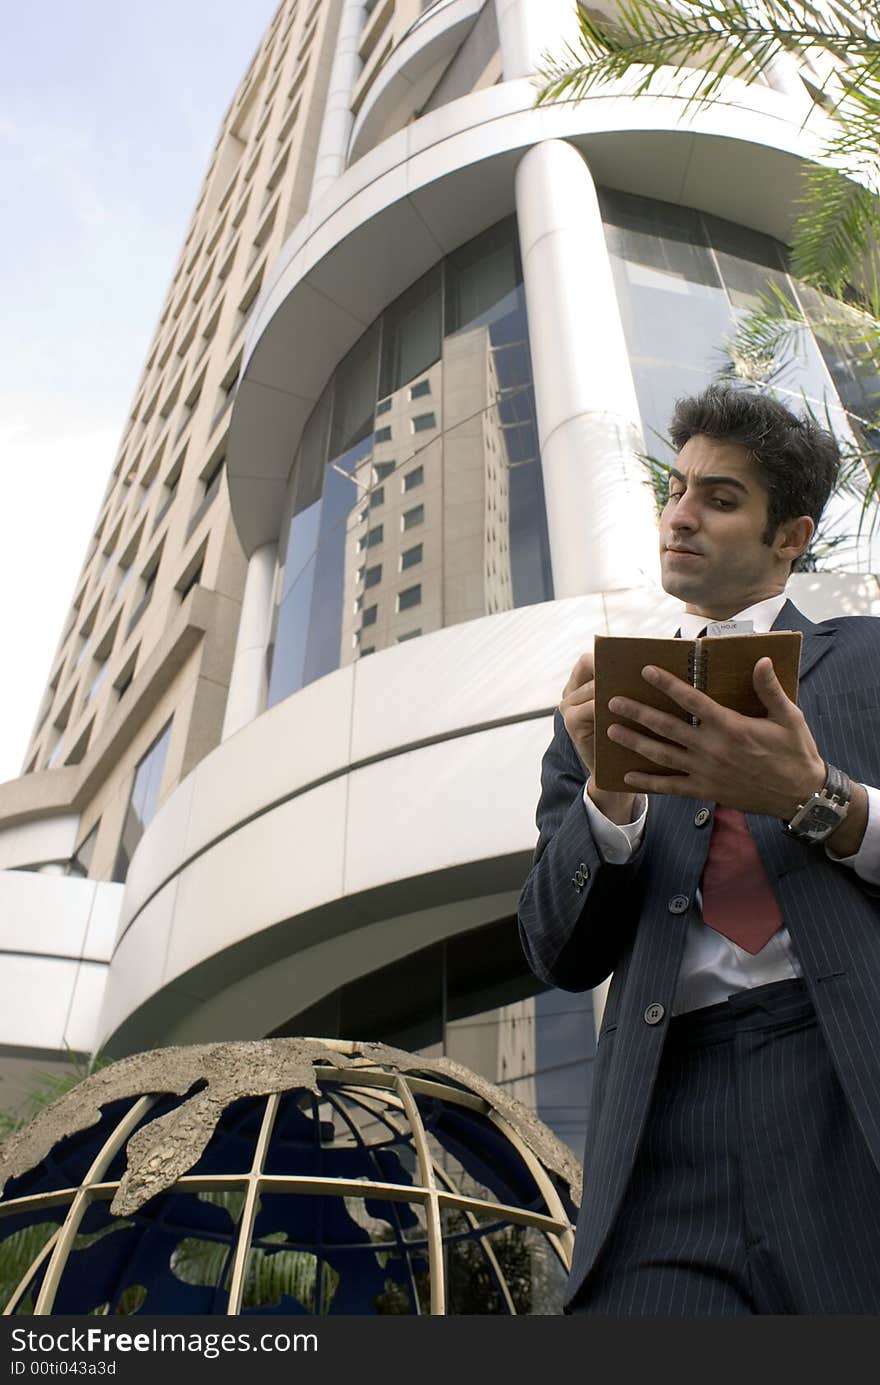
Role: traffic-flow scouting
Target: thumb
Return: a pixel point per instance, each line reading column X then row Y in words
column 770, row 690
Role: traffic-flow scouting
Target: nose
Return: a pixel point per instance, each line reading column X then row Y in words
column 683, row 518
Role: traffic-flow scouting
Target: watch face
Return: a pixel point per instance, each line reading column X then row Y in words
column 821, row 816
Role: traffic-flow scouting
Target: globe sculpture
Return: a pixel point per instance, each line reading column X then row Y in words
column 288, row 1176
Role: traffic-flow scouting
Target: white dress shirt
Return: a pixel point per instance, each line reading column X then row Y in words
column 713, row 967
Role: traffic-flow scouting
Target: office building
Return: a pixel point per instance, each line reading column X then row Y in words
column 379, row 487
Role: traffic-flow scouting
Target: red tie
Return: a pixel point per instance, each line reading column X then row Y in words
column 737, row 899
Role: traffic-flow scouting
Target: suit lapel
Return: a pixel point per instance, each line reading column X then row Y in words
column 778, row 852
column 816, row 643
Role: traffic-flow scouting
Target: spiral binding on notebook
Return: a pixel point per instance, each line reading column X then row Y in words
column 698, row 670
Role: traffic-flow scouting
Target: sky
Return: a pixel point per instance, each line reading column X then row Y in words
column 108, row 115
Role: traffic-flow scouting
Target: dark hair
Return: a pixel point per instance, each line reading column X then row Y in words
column 798, row 459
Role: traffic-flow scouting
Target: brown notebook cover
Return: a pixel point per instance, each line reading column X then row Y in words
column 721, row 666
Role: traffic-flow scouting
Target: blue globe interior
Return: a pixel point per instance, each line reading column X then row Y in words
column 310, row 1252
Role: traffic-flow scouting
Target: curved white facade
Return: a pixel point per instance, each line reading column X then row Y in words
column 397, row 819
column 437, row 183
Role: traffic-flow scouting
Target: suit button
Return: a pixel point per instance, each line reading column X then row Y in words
column 584, row 869
column 654, row 1013
column 678, row 903
column 701, row 817
column 577, row 883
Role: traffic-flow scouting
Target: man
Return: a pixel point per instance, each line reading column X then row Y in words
column 733, row 1155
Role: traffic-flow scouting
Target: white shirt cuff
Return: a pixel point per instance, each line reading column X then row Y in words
column 616, row 842
column 866, row 861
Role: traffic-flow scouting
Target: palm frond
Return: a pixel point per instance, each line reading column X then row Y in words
column 766, row 341
column 717, row 40
column 837, row 226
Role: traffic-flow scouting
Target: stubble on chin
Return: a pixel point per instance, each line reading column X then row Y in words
column 677, row 585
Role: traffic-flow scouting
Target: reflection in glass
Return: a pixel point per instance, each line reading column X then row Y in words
column 143, row 802
column 673, row 306
column 458, row 338
column 411, row 334
column 838, row 328
column 685, row 281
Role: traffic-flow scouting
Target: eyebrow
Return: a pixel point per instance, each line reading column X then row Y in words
column 711, row 480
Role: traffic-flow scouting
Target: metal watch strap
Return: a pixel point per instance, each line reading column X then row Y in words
column 835, row 795
column 837, row 784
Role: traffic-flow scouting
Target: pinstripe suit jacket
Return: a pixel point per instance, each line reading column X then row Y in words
column 619, row 920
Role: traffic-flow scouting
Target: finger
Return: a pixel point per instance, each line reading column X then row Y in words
column 658, row 752
column 691, row 699
column 585, row 693
column 771, row 692
column 663, row 723
column 675, row 785
column 579, row 720
column 580, row 674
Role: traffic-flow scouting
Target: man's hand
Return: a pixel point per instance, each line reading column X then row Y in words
column 756, row 764
column 578, row 710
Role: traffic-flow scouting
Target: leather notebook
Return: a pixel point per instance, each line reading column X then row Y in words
column 721, row 666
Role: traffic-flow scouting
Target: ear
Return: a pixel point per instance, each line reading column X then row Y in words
column 793, row 538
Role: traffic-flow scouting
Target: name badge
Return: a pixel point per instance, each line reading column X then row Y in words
column 730, row 627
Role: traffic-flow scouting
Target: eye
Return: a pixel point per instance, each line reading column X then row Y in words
column 717, row 500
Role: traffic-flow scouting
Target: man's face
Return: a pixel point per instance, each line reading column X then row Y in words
column 712, row 555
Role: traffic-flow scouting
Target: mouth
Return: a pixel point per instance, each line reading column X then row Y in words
column 683, row 552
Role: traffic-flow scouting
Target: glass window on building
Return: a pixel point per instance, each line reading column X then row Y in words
column 412, row 333
column 411, row 556
column 459, row 334
column 842, row 333
column 414, row 478
column 409, row 597
column 143, row 802
column 685, row 281
column 672, row 302
column 372, row 537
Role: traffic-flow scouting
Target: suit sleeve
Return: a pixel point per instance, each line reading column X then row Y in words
column 577, row 914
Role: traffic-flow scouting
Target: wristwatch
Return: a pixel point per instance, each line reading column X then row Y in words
column 824, row 811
